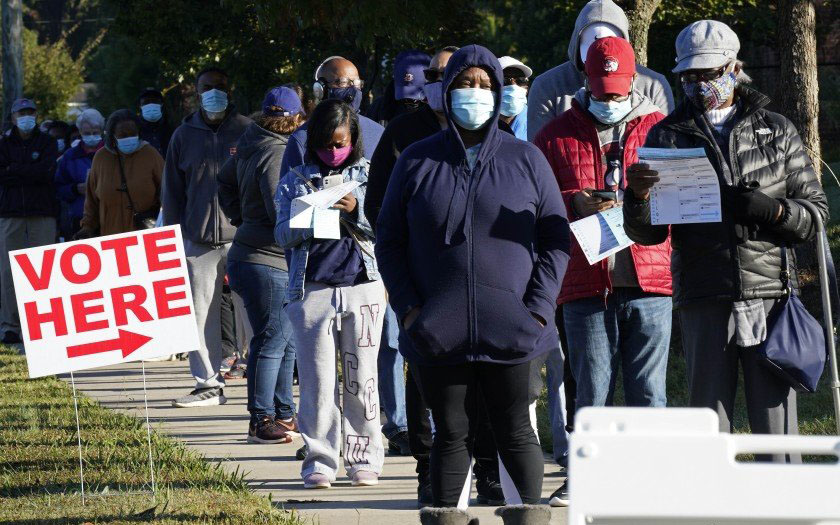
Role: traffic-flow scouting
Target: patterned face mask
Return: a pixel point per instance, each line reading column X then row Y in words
column 710, row 94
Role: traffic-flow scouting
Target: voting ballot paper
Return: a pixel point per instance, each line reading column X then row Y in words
column 313, row 210
column 601, row 235
column 688, row 190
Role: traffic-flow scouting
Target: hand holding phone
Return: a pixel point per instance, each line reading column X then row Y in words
column 606, row 195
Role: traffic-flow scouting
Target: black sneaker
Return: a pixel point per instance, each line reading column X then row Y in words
column 301, row 453
column 489, row 489
column 11, row 338
column 267, row 431
column 398, row 444
column 560, row 497
column 201, row 397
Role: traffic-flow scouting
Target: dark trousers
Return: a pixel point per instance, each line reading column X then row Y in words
column 228, row 324
column 456, row 394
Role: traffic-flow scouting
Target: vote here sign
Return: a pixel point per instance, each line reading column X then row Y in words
column 104, row 301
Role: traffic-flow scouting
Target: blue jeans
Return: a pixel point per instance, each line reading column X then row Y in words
column 557, row 406
column 633, row 328
column 391, row 377
column 271, row 352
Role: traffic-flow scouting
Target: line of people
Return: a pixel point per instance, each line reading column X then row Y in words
column 455, row 278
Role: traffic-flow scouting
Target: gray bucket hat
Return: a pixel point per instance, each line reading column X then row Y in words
column 706, row 44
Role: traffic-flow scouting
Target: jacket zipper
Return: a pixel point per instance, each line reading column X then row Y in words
column 216, row 234
column 470, row 253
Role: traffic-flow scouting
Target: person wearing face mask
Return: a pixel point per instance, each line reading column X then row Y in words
column 72, row 172
column 552, row 92
column 515, row 96
column 154, row 128
column 60, row 131
column 730, row 275
column 617, row 311
column 336, row 303
column 336, row 78
column 472, row 243
column 404, row 93
column 27, row 201
column 124, row 179
column 197, row 151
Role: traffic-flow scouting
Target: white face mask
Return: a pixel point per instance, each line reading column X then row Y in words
column 592, row 33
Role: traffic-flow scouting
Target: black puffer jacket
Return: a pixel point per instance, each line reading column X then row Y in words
column 708, row 261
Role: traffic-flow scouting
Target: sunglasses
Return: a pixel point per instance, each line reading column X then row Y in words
column 698, row 76
column 521, row 81
column 433, row 75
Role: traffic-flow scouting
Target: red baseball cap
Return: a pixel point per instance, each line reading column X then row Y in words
column 610, row 66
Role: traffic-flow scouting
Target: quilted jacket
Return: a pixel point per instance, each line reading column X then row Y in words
column 708, row 260
column 570, row 143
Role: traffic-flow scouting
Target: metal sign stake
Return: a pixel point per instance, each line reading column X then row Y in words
column 78, row 436
column 149, row 435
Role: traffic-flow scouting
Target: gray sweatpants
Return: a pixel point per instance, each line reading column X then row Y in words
column 206, row 266
column 347, row 320
column 17, row 233
column 713, row 358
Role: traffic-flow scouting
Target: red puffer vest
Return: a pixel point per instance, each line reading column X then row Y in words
column 570, row 143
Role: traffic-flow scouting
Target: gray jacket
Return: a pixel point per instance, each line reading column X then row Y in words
column 247, row 184
column 552, row 92
column 189, row 195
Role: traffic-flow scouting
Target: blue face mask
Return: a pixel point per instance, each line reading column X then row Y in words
column 214, row 101
column 61, row 144
column 128, row 145
column 610, row 112
column 472, row 108
column 514, row 100
column 151, row 112
column 351, row 94
column 26, row 123
column 91, row 140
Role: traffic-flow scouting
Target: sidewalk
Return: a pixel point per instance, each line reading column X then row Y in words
column 219, row 433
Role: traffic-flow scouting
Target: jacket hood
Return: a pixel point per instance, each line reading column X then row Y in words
column 596, row 11
column 639, row 102
column 467, row 57
column 257, row 138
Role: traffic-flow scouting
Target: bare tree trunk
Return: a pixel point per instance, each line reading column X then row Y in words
column 12, row 19
column 798, row 87
column 640, row 15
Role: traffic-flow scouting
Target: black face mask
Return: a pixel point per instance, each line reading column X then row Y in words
column 410, row 104
column 352, row 95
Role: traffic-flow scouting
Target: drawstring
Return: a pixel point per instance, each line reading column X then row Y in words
column 458, row 204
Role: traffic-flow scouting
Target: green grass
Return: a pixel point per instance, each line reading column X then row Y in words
column 39, row 465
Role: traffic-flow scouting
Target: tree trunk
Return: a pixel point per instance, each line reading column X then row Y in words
column 798, row 87
column 12, row 19
column 640, row 15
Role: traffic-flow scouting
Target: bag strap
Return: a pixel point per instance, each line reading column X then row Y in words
column 125, row 184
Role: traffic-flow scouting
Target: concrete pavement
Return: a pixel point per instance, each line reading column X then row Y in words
column 219, row 434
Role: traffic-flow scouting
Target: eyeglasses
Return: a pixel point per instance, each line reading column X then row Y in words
column 519, row 81
column 698, row 76
column 344, row 82
column 433, row 75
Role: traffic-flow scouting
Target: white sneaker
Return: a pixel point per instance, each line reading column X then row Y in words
column 560, row 497
column 201, row 397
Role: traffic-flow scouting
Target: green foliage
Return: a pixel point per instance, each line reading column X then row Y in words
column 50, row 75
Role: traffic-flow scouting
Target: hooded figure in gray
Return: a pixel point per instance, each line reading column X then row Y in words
column 552, row 92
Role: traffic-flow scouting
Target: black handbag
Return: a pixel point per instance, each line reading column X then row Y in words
column 143, row 220
column 795, row 348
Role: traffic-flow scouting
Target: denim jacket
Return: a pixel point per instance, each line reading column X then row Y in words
column 296, row 241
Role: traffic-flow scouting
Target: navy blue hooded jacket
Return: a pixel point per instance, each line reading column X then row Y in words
column 477, row 250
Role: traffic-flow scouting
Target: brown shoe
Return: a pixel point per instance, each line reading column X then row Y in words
column 266, row 431
column 289, row 426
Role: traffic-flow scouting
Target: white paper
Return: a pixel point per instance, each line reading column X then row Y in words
column 688, row 190
column 301, row 215
column 601, row 235
column 326, row 224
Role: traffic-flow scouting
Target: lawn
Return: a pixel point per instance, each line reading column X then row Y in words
column 39, row 465
column 816, row 412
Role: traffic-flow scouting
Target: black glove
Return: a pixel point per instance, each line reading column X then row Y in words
column 750, row 206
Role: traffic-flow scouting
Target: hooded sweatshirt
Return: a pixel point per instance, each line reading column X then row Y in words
column 107, row 210
column 190, row 193
column 477, row 249
column 246, row 194
column 552, row 92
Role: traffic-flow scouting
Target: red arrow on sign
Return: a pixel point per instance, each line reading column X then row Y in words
column 127, row 341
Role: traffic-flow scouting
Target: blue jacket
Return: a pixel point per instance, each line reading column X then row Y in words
column 296, row 241
column 72, row 169
column 477, row 250
column 296, row 148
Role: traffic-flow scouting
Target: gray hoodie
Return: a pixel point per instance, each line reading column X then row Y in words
column 247, row 184
column 195, row 156
column 552, row 92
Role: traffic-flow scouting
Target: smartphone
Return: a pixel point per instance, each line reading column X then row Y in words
column 605, row 195
column 333, row 180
